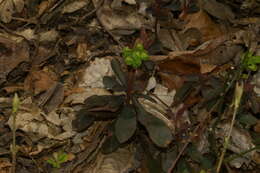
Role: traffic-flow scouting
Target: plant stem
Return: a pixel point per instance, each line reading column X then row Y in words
column 130, row 83
column 13, row 148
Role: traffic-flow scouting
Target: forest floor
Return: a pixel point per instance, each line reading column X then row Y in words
column 127, row 86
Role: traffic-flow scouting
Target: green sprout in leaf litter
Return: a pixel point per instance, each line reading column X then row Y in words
column 250, row 61
column 57, row 159
column 134, row 57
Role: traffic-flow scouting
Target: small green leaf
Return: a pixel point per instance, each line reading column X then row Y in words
column 16, row 103
column 247, row 119
column 126, row 124
column 134, row 57
column 62, row 157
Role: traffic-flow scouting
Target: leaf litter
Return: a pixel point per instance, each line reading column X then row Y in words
column 173, row 114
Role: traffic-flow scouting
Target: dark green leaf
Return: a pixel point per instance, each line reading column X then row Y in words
column 158, row 131
column 183, row 166
column 112, row 84
column 193, row 153
column 168, row 158
column 110, row 145
column 104, row 102
column 82, row 121
column 126, row 124
column 247, row 119
column 207, row 162
column 183, row 92
column 118, row 71
column 212, row 89
column 152, row 162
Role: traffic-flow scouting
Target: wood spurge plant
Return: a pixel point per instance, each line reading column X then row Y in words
column 134, row 57
column 57, row 159
column 128, row 113
column 250, row 61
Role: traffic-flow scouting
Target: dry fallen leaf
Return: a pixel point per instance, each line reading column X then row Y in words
column 117, row 162
column 74, row 6
column 121, row 22
column 93, row 75
column 8, row 7
column 203, row 23
column 12, row 55
column 217, row 9
column 39, row 81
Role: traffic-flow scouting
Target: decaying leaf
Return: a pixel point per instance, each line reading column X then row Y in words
column 218, row 10
column 121, row 23
column 119, row 161
column 74, row 6
column 204, row 24
column 12, row 55
column 8, row 7
column 93, row 76
column 39, row 81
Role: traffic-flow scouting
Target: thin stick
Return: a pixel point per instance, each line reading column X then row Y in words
column 237, row 99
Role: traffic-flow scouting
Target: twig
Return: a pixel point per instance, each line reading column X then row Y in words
column 237, row 99
column 198, row 128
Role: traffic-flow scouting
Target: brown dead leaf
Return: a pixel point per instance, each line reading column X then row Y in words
column 12, row 54
column 164, row 36
column 8, row 7
column 52, row 98
column 4, row 164
column 217, row 9
column 39, row 81
column 19, row 5
column 122, row 22
column 50, row 35
column 14, row 88
column 74, row 6
column 43, row 54
column 82, row 51
column 204, row 24
column 171, row 81
column 179, row 66
column 43, row 7
column 257, row 127
column 204, row 59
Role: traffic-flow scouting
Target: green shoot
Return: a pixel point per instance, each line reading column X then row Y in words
column 134, row 57
column 57, row 159
column 13, row 148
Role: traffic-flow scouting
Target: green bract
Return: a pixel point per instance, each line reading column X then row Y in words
column 250, row 61
column 134, row 57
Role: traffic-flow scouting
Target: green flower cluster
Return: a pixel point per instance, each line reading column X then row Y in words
column 134, row 57
column 250, row 61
